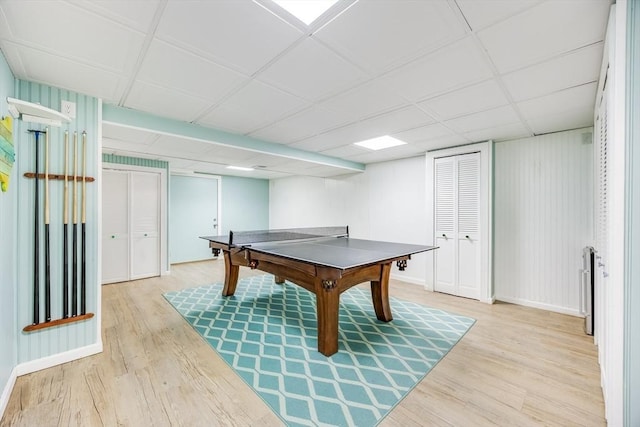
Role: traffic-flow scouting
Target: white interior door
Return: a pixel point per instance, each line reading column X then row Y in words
column 115, row 226
column 145, row 224
column 193, row 213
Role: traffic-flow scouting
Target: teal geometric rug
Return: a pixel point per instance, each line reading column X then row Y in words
column 267, row 333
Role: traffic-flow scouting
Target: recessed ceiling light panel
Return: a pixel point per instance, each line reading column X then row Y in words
column 239, row 168
column 380, row 143
column 306, row 10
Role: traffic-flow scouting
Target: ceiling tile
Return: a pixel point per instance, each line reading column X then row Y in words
column 346, row 151
column 379, row 34
column 440, row 142
column 5, row 31
column 254, row 106
column 311, row 71
column 56, row 71
column 240, row 34
column 480, row 97
column 71, row 34
column 482, row 13
column 546, row 30
column 424, row 133
column 135, row 14
column 396, row 121
column 222, row 154
column 453, row 67
column 384, row 124
column 309, row 122
column 164, row 102
column 172, row 67
column 573, row 69
column 255, row 160
column 577, row 118
column 562, row 110
column 484, row 120
column 499, row 133
column 335, row 138
column 364, row 101
column 399, row 152
column 110, row 145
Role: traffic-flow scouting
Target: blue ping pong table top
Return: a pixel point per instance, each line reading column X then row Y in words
column 335, row 252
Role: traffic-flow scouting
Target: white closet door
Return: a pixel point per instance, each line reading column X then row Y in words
column 115, row 226
column 145, row 225
column 468, row 222
column 445, row 203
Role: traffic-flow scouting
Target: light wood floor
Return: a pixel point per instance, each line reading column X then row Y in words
column 516, row 367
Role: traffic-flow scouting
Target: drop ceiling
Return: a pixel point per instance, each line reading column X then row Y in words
column 432, row 73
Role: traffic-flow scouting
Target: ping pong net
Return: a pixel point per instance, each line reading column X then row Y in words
column 247, row 238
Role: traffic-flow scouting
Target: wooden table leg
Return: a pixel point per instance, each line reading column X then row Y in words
column 380, row 294
column 328, row 302
column 231, row 272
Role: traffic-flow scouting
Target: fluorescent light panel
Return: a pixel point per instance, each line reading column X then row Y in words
column 380, row 143
column 306, row 10
column 239, row 168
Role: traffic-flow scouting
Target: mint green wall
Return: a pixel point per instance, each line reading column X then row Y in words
column 245, row 204
column 632, row 259
column 52, row 341
column 8, row 202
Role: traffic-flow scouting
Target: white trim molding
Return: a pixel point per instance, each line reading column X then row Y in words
column 58, row 359
column 6, row 392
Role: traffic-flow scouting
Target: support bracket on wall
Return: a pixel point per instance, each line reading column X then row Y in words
column 35, row 113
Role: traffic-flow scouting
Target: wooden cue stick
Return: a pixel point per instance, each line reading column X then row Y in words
column 36, row 245
column 74, row 281
column 83, row 276
column 47, row 253
column 65, row 237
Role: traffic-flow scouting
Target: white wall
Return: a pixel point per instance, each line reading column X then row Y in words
column 543, row 217
column 386, row 202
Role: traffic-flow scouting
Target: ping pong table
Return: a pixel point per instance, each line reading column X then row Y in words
column 323, row 260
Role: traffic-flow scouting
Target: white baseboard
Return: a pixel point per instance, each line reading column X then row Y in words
column 58, row 359
column 543, row 306
column 6, row 392
column 408, row 279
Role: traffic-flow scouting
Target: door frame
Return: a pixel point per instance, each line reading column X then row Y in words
column 164, row 249
column 486, row 212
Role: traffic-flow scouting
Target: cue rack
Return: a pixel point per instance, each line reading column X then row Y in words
column 73, row 309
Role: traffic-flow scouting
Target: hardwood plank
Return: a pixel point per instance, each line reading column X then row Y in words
column 516, row 366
